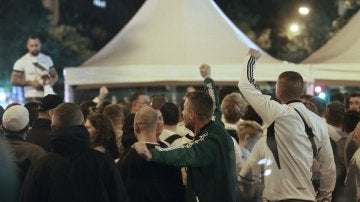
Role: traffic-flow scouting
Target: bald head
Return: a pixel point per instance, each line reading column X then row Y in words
column 67, row 114
column 145, row 121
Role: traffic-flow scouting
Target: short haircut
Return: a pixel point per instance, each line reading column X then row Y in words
column 202, row 104
column 251, row 128
column 354, row 94
column 114, row 112
column 337, row 96
column 145, row 119
column 33, row 36
column 135, row 96
column 233, row 107
column 335, row 111
column 68, row 114
column 291, row 85
column 157, row 101
column 320, row 104
column 170, row 113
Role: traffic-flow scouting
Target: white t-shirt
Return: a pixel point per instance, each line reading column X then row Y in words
column 31, row 72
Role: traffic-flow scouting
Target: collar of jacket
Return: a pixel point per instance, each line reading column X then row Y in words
column 41, row 122
column 292, row 101
column 72, row 139
column 14, row 136
column 203, row 129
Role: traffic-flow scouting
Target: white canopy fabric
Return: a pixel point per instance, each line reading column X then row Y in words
column 166, row 41
column 338, row 61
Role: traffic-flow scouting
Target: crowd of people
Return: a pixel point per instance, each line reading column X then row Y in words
column 245, row 146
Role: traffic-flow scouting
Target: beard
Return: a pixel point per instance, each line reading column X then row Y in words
column 190, row 127
column 34, row 52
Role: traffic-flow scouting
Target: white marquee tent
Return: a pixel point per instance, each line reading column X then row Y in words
column 338, row 61
column 166, row 41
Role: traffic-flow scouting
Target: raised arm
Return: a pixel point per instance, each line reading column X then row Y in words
column 262, row 104
column 210, row 89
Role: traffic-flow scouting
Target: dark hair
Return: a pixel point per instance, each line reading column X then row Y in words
column 291, row 85
column 251, row 115
column 114, row 111
column 354, row 94
column 33, row 36
column 170, row 113
column 67, row 114
column 351, row 118
column 320, row 104
column 135, row 96
column 87, row 107
column 33, row 108
column 101, row 107
column 335, row 111
column 105, row 136
column 157, row 101
column 202, row 104
column 337, row 96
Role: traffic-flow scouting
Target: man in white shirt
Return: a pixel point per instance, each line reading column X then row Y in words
column 290, row 149
column 34, row 71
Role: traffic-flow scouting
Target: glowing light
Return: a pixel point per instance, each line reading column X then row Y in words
column 304, row 10
column 100, row 3
column 267, row 172
column 318, row 89
column 322, row 95
column 262, row 161
column 2, row 96
column 294, row 28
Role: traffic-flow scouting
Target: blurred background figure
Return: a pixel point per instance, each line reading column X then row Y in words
column 102, row 135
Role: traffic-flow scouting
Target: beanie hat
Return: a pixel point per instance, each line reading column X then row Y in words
column 50, row 101
column 15, row 118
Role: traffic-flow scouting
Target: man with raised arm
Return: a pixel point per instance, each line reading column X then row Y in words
column 210, row 158
column 295, row 137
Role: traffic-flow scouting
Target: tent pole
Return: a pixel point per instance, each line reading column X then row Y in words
column 69, row 93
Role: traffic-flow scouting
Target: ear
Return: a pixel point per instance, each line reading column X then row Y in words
column 52, row 127
column 136, row 128
column 246, row 138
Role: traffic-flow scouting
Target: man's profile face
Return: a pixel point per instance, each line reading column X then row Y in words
column 33, row 46
column 354, row 103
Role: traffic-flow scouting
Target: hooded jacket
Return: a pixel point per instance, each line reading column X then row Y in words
column 73, row 172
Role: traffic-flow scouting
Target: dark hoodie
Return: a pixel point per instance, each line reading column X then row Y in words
column 73, row 172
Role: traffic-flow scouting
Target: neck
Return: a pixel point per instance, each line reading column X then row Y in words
column 172, row 128
column 199, row 125
column 44, row 115
column 147, row 137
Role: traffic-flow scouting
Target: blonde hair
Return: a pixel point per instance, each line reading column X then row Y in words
column 233, row 107
column 250, row 128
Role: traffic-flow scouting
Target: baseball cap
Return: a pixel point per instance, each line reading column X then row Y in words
column 50, row 101
column 15, row 118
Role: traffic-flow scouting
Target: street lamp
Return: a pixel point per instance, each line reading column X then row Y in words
column 303, row 10
column 294, row 28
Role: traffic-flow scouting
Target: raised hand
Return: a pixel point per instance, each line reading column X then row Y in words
column 142, row 150
column 255, row 53
column 205, row 71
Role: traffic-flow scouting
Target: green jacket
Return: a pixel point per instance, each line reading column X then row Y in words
column 210, row 160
